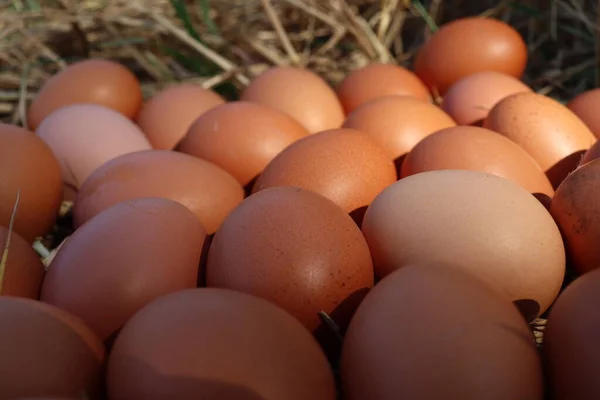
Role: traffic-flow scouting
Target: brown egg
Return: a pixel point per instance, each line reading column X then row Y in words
column 585, row 106
column 166, row 117
column 300, row 93
column 23, row 271
column 344, row 165
column 95, row 81
column 477, row 149
column 378, row 80
column 484, row 224
column 207, row 190
column 122, row 259
column 432, row 332
column 219, row 344
column 295, row 248
column 29, row 166
column 575, row 210
column 571, row 351
column 591, row 154
column 241, row 137
column 549, row 131
column 398, row 123
column 46, row 352
column 470, row 99
column 469, row 45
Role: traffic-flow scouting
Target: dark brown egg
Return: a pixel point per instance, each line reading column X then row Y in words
column 378, row 80
column 554, row 136
column 575, row 209
column 166, row 117
column 571, row 351
column 23, row 271
column 122, row 259
column 216, row 344
column 295, row 248
column 207, row 190
column 344, row 165
column 485, row 224
column 28, row 165
column 469, row 45
column 241, row 137
column 431, row 332
column 470, row 99
column 300, row 93
column 477, row 149
column 398, row 123
column 46, row 352
column 95, row 81
column 585, row 106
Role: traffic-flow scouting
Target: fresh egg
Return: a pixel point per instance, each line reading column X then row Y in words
column 575, row 209
column 29, row 167
column 216, row 344
column 47, row 352
column 209, row 191
column 469, row 100
column 85, row 136
column 378, row 80
column 432, row 332
column 549, row 131
column 103, row 82
column 477, row 149
column 166, row 117
column 469, row 45
column 241, row 137
column 398, row 123
column 123, row 258
column 484, row 224
column 23, row 271
column 295, row 248
column 344, row 165
column 585, row 106
column 591, row 154
column 300, row 93
column 570, row 346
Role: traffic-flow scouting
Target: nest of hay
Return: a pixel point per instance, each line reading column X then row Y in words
column 223, row 44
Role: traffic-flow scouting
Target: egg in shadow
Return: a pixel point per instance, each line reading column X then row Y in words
column 544, row 199
column 529, row 308
column 333, row 327
column 162, row 386
column 204, row 260
column 398, row 163
column 559, row 171
column 358, row 215
column 249, row 186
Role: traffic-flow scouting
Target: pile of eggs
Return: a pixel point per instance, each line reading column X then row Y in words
column 391, row 238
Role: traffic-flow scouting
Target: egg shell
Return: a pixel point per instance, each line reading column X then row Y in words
column 585, row 105
column 23, row 271
column 477, row 149
column 575, row 210
column 85, row 136
column 241, row 137
column 46, row 352
column 469, row 45
column 295, row 248
column 570, row 341
column 469, row 100
column 344, row 165
column 591, row 154
column 207, row 190
column 300, row 93
column 549, row 131
column 398, row 123
column 378, row 80
column 166, row 117
column 219, row 344
column 122, row 259
column 431, row 332
column 484, row 224
column 28, row 165
column 103, row 82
